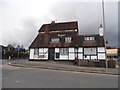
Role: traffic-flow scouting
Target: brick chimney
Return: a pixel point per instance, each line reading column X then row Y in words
column 53, row 22
column 101, row 30
column 46, row 36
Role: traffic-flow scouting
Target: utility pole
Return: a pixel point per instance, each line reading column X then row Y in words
column 18, row 49
column 103, row 9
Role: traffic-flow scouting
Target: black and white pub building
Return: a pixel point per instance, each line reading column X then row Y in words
column 61, row 41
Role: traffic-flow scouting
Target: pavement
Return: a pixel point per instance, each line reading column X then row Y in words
column 63, row 66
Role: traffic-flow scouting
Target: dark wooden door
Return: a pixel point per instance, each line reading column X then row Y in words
column 51, row 53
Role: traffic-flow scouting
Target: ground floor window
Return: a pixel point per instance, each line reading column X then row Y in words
column 57, row 55
column 90, row 51
column 64, row 51
column 36, row 51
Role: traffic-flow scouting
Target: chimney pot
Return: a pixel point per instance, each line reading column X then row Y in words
column 53, row 22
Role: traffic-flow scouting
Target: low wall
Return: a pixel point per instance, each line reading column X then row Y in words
column 101, row 63
column 112, row 63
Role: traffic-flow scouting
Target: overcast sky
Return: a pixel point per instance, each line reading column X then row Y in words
column 20, row 20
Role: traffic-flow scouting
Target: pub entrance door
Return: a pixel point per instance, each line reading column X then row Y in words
column 51, row 53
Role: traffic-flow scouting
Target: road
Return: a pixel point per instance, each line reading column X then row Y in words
column 19, row 77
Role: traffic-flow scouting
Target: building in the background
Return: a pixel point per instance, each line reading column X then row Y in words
column 1, row 52
column 113, row 57
column 60, row 41
column 10, row 52
column 112, row 54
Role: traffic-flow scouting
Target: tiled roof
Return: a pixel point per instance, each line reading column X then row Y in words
column 43, row 39
column 99, row 41
column 60, row 26
column 78, row 40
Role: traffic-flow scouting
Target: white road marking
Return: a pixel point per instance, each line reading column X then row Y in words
column 17, row 81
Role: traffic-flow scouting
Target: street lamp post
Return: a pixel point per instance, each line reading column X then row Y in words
column 18, row 49
column 104, row 31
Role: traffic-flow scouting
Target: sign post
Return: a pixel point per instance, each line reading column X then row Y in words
column 18, row 49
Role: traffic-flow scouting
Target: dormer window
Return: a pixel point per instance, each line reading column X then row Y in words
column 89, row 38
column 68, row 39
column 55, row 40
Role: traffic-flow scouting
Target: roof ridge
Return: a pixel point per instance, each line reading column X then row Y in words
column 61, row 22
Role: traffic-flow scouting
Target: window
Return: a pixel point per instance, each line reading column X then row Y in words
column 67, row 39
column 90, row 51
column 89, row 38
column 55, row 40
column 36, row 51
column 57, row 55
column 63, row 51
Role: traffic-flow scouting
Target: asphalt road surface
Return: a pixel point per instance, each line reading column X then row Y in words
column 19, row 77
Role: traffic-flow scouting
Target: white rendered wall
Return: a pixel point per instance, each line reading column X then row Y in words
column 101, row 53
column 41, row 50
column 45, row 50
column 71, row 56
column 93, row 57
column 101, row 49
column 71, row 49
column 45, row 53
column 87, row 57
column 56, row 50
column 63, row 57
column 80, row 49
column 80, row 56
column 36, row 57
column 31, row 54
column 101, row 56
column 71, row 53
column 80, row 53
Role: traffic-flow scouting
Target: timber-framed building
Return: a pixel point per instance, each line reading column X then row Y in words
column 61, row 41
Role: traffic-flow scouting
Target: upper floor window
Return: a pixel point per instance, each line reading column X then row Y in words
column 89, row 38
column 55, row 40
column 68, row 39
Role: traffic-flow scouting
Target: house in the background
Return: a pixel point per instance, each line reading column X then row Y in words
column 10, row 52
column 112, row 54
column 1, row 51
column 61, row 41
column 113, row 57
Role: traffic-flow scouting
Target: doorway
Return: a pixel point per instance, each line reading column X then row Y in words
column 51, row 53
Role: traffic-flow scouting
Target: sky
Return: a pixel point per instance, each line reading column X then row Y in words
column 20, row 20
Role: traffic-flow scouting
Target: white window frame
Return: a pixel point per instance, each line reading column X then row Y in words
column 91, row 38
column 36, row 51
column 88, row 51
column 68, row 39
column 55, row 40
column 64, row 51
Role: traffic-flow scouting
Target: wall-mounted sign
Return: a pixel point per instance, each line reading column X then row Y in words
column 61, row 35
